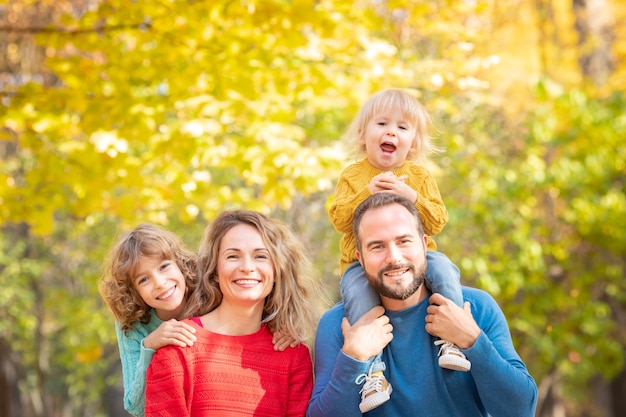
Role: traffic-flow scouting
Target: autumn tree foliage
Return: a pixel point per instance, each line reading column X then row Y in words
column 116, row 112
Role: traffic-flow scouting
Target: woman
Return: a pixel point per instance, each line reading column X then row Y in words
column 252, row 285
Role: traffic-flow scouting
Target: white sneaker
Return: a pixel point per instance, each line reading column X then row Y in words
column 451, row 357
column 375, row 391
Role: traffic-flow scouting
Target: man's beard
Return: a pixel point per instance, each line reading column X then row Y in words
column 398, row 293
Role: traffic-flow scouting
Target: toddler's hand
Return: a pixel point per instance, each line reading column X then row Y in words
column 381, row 182
column 388, row 182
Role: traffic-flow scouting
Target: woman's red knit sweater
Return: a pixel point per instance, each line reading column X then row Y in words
column 229, row 376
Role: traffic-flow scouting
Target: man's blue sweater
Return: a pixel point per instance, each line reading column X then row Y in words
column 498, row 384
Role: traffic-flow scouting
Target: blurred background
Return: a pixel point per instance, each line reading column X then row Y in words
column 118, row 112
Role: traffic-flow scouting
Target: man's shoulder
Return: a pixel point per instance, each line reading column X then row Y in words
column 476, row 294
column 336, row 310
column 329, row 325
column 334, row 314
column 484, row 305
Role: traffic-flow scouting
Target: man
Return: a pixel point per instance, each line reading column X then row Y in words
column 391, row 246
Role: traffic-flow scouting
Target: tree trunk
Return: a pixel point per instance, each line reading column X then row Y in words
column 550, row 402
column 618, row 394
column 594, row 24
column 113, row 396
column 10, row 404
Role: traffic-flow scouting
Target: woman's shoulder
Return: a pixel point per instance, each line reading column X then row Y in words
column 194, row 320
column 300, row 354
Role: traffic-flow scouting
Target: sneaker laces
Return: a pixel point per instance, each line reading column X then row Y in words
column 372, row 382
column 448, row 347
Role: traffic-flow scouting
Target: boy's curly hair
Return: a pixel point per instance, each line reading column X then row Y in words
column 116, row 284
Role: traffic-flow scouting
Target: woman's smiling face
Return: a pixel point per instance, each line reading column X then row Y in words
column 245, row 271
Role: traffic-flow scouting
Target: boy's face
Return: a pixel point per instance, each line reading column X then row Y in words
column 161, row 285
column 388, row 138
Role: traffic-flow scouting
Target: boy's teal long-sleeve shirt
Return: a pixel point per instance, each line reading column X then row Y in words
column 498, row 383
column 135, row 361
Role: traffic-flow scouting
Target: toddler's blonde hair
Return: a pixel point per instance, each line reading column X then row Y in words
column 384, row 101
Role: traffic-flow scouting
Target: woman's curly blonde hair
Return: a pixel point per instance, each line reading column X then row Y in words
column 288, row 308
column 116, row 284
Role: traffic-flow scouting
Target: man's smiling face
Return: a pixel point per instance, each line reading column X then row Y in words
column 393, row 254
